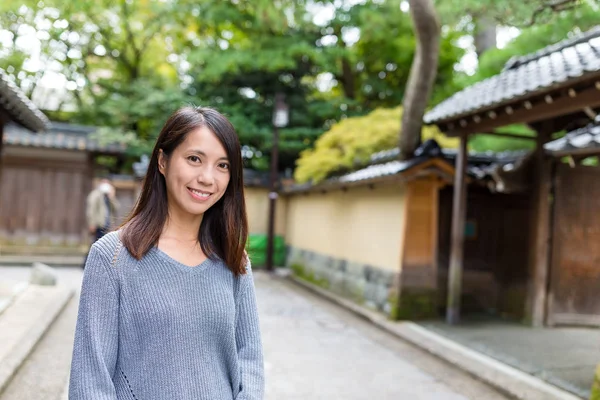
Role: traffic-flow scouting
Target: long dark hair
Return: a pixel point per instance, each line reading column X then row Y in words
column 224, row 229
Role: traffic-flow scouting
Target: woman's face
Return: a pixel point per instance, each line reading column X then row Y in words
column 197, row 172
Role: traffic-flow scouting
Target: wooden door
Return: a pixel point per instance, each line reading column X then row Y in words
column 575, row 267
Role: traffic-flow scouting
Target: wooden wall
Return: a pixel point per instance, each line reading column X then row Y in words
column 575, row 276
column 42, row 197
column 127, row 192
column 496, row 251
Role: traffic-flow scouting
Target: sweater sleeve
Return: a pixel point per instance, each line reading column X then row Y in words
column 96, row 333
column 248, row 340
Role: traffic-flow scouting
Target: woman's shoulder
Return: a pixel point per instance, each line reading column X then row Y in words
column 108, row 243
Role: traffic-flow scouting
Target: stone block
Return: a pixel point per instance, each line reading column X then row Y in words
column 43, row 275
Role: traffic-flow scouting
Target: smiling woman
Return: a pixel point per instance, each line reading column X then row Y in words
column 195, row 175
column 167, row 307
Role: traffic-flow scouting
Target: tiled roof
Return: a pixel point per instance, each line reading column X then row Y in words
column 59, row 136
column 19, row 107
column 256, row 178
column 385, row 163
column 586, row 138
column 380, row 170
column 479, row 164
column 556, row 64
column 488, row 157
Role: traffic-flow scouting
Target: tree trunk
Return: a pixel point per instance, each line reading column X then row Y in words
column 485, row 35
column 348, row 79
column 422, row 74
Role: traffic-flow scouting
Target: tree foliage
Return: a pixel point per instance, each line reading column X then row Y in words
column 517, row 13
column 127, row 65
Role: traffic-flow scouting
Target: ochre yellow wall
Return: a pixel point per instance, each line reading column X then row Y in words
column 362, row 225
column 257, row 206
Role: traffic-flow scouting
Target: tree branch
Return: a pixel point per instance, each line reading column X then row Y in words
column 547, row 5
column 556, row 6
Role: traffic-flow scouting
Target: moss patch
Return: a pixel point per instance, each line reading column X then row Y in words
column 596, row 385
column 300, row 271
column 393, row 301
column 413, row 304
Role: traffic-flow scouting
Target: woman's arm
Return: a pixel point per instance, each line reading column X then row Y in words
column 96, row 334
column 249, row 344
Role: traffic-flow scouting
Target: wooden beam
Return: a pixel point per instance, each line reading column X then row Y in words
column 580, row 153
column 524, row 112
column 458, row 235
column 507, row 135
column 538, row 285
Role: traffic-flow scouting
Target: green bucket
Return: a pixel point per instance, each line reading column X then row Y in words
column 257, row 249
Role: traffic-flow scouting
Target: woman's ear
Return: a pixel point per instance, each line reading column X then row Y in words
column 162, row 162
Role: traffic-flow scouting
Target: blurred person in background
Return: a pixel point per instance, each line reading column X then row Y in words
column 101, row 208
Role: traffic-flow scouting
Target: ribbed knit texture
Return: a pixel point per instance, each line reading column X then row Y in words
column 158, row 329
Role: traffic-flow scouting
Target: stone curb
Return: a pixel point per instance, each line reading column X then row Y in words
column 53, row 261
column 36, row 328
column 506, row 379
column 16, row 291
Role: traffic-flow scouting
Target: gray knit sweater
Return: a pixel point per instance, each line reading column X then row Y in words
column 158, row 329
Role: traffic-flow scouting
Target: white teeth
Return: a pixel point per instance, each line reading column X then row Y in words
column 200, row 193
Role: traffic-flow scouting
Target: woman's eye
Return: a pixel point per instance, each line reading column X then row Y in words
column 194, row 158
column 224, row 165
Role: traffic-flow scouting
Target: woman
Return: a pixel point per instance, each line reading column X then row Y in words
column 168, row 308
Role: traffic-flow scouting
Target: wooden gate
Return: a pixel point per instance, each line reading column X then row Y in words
column 574, row 297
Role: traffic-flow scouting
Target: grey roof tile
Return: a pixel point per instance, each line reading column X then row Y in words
column 586, row 138
column 379, row 170
column 569, row 59
column 19, row 107
column 60, row 136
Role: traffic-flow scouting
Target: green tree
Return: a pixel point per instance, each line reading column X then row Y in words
column 363, row 50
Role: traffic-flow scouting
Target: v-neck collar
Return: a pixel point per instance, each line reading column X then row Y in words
column 190, row 269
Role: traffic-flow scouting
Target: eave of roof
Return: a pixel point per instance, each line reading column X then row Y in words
column 19, row 108
column 400, row 171
column 552, row 67
column 60, row 136
column 583, row 141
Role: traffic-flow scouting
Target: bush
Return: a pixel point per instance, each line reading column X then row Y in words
column 351, row 142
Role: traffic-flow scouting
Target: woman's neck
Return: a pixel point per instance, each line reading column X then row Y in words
column 182, row 227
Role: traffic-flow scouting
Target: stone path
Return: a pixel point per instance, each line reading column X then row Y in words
column 313, row 350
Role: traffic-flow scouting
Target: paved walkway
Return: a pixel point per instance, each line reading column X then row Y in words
column 316, row 350
column 565, row 357
column 313, row 350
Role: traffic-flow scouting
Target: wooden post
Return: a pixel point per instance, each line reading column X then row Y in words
column 459, row 204
column 538, row 285
column 2, row 123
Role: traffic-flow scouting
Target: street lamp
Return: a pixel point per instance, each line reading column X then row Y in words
column 280, row 120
